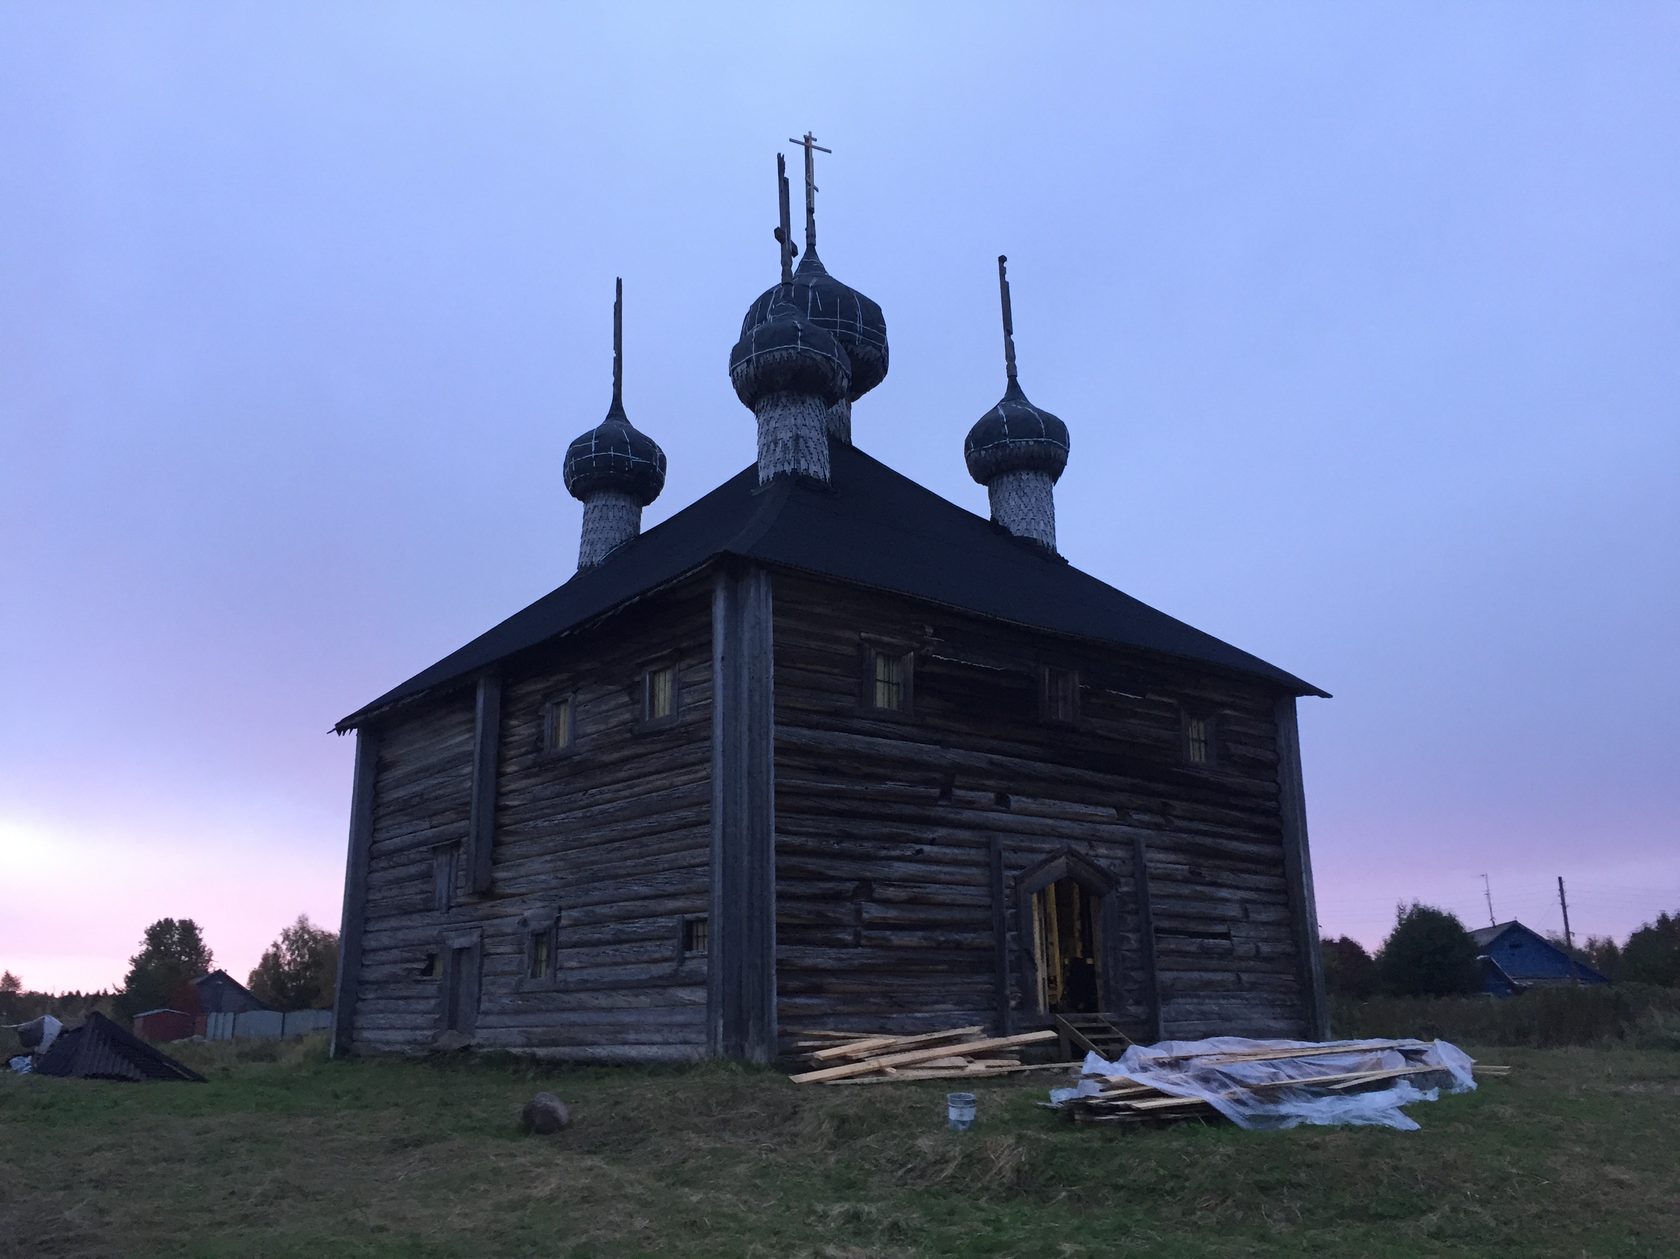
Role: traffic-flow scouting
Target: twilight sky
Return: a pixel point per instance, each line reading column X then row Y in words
column 1363, row 319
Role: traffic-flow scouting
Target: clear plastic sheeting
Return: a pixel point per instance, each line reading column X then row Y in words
column 1311, row 1083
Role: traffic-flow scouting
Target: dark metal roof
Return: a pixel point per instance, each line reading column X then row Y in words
column 1484, row 936
column 220, row 978
column 102, row 1050
column 869, row 526
column 1551, row 963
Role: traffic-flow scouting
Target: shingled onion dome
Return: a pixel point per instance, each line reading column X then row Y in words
column 848, row 316
column 614, row 469
column 1018, row 451
column 790, row 373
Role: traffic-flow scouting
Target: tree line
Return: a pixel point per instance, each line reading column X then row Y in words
column 1429, row 953
column 298, row 971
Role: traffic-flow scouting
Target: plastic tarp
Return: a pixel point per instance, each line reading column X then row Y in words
column 1283, row 1092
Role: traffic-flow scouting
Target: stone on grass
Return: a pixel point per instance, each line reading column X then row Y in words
column 545, row 1114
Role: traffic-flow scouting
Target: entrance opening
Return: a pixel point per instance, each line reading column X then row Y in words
column 460, row 989
column 1065, row 948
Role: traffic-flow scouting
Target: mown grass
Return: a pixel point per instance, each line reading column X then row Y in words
column 1574, row 1154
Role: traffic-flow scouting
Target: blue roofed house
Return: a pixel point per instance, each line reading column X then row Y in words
column 1514, row 958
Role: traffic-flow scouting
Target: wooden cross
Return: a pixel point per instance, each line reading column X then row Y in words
column 784, row 232
column 812, row 148
column 1008, row 319
column 618, row 343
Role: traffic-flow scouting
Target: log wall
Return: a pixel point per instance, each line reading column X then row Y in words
column 611, row 837
column 900, row 843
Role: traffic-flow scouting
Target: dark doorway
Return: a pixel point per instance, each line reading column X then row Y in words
column 460, row 989
column 1067, row 948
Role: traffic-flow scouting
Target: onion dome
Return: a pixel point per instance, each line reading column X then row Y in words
column 848, row 316
column 1015, row 436
column 782, row 352
column 615, row 455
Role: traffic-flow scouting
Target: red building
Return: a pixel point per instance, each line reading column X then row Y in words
column 164, row 1024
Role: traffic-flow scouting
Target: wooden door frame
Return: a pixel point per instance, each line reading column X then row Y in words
column 1101, row 883
column 469, row 980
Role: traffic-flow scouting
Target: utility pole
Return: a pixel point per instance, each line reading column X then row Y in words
column 1568, row 936
column 1487, row 891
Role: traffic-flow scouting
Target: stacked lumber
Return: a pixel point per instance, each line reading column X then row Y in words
column 958, row 1053
column 1127, row 1099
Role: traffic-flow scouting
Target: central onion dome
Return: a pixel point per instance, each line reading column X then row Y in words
column 615, row 456
column 781, row 352
column 1016, row 436
column 848, row 316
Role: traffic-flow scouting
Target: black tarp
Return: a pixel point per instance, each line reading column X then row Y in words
column 102, row 1050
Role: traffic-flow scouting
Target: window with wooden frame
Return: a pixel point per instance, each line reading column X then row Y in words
column 1200, row 738
column 889, row 681
column 539, row 954
column 558, row 728
column 659, row 694
column 541, row 942
column 445, row 861
column 1059, row 695
column 694, row 937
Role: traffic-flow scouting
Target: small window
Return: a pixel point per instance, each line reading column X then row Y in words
column 557, row 730
column 539, row 954
column 1061, row 695
column 443, row 875
column 659, row 693
column 1198, row 740
column 889, row 681
column 429, row 968
column 695, row 935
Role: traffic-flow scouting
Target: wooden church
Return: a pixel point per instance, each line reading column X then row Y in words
column 824, row 750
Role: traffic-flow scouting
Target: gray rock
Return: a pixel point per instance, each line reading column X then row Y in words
column 449, row 1042
column 545, row 1114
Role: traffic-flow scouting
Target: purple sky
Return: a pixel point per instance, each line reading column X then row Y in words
column 1363, row 319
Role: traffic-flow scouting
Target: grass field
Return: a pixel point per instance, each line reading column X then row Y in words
column 1576, row 1153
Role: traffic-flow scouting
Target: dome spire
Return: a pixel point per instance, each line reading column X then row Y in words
column 618, row 347
column 613, row 469
column 1008, row 319
column 1016, row 450
column 784, row 230
column 812, row 148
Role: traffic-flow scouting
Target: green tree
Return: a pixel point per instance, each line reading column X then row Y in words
column 1348, row 968
column 11, row 998
column 171, row 953
column 299, row 971
column 1428, row 954
column 1598, row 952
column 1605, row 956
column 1652, row 954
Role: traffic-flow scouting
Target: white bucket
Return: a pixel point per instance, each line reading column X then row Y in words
column 959, row 1111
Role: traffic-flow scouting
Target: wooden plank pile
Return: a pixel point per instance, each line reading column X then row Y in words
column 958, row 1053
column 1128, row 1100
